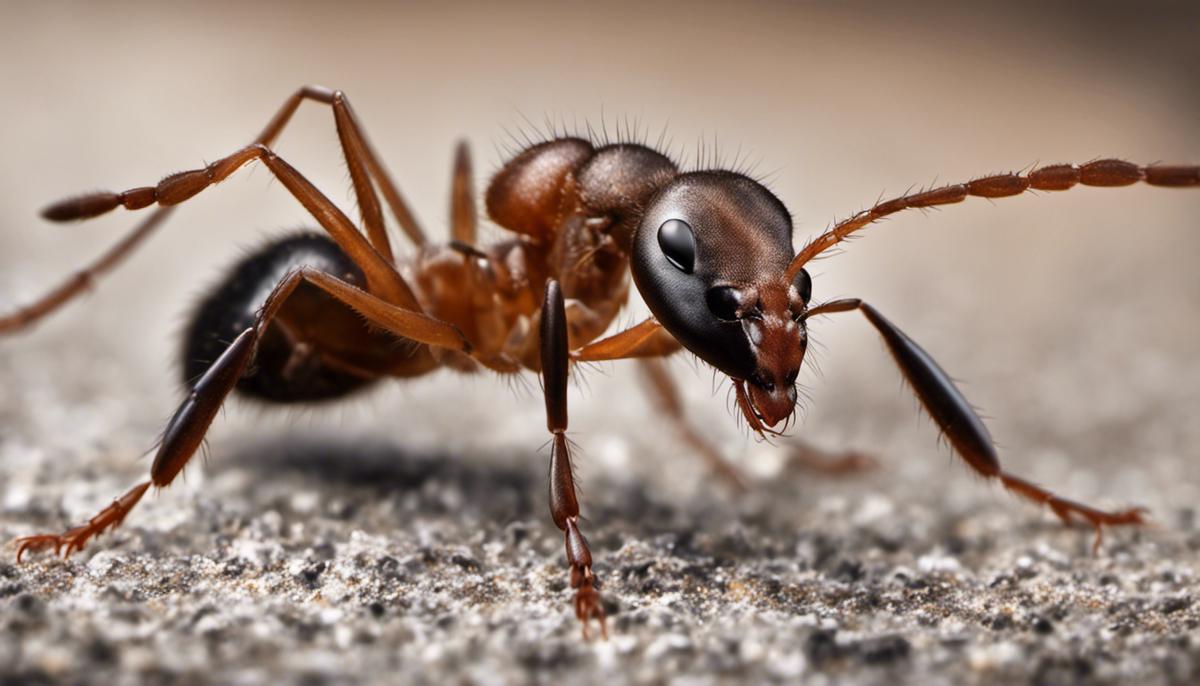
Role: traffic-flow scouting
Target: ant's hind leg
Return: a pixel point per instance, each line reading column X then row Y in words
column 564, row 506
column 382, row 277
column 361, row 160
column 372, row 254
column 183, row 435
column 188, row 425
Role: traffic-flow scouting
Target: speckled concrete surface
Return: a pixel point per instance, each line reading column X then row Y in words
column 328, row 560
column 404, row 537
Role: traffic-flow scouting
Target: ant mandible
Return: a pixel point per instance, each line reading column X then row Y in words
column 710, row 252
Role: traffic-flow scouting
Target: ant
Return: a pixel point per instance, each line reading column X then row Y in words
column 710, row 252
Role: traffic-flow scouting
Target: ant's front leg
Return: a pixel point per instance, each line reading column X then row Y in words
column 964, row 429
column 564, row 506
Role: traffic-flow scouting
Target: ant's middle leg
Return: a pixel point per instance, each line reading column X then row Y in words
column 190, row 423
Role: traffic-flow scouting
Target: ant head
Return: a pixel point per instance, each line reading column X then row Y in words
column 710, row 258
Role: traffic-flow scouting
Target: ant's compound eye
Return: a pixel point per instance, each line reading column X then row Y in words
column 724, row 302
column 803, row 286
column 678, row 243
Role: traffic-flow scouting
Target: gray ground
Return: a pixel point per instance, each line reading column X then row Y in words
column 314, row 558
column 404, row 537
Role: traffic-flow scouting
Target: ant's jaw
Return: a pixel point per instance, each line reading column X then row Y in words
column 778, row 342
column 764, row 406
column 772, row 403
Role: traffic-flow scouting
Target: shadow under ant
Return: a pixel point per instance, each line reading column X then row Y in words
column 502, row 487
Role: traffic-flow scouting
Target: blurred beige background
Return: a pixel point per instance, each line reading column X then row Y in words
column 1072, row 317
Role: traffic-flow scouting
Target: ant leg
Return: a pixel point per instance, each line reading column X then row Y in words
column 188, row 425
column 75, row 538
column 665, row 394
column 83, row 279
column 564, row 507
column 814, row 459
column 361, row 158
column 382, row 277
column 963, row 427
column 182, row 437
column 381, row 274
column 462, row 198
column 404, row 323
column 646, row 339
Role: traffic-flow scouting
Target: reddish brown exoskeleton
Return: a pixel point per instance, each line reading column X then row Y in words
column 710, row 252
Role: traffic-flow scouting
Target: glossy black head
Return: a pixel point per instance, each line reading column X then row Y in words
column 710, row 258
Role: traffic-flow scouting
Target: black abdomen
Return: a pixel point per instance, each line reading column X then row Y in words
column 289, row 366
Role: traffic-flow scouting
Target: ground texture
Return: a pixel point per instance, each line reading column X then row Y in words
column 405, row 537
column 309, row 556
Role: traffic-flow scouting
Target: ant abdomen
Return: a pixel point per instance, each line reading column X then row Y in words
column 297, row 358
